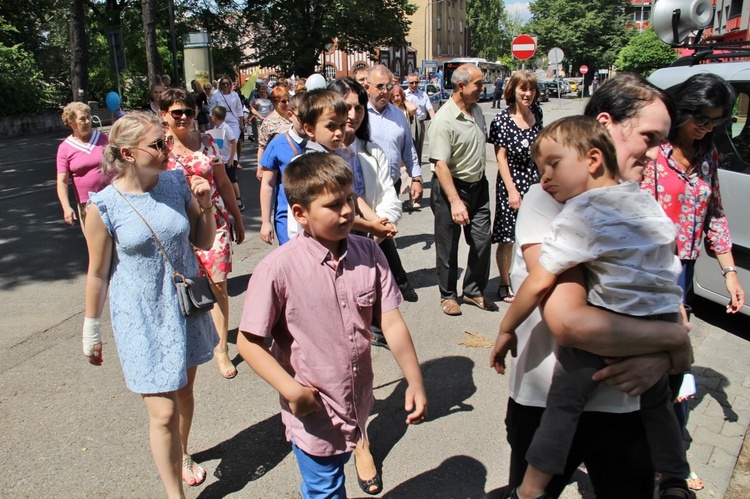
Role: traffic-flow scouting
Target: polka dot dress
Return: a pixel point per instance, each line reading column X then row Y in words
column 504, row 132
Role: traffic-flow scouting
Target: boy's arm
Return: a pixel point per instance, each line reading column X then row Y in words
column 233, row 151
column 302, row 399
column 267, row 184
column 399, row 340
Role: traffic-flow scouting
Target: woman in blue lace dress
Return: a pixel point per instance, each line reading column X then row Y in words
column 159, row 348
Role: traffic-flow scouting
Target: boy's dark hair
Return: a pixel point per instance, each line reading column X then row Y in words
column 309, row 175
column 220, row 113
column 295, row 101
column 315, row 102
column 581, row 133
column 171, row 96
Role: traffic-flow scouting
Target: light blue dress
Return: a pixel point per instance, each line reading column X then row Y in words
column 155, row 342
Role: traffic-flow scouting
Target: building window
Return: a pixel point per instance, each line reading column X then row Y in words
column 438, row 49
column 461, row 49
column 330, row 72
column 437, row 22
column 461, row 26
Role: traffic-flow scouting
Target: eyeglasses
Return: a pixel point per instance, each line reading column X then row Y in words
column 705, row 121
column 225, row 83
column 413, row 83
column 384, row 86
column 178, row 113
column 162, row 145
column 284, row 101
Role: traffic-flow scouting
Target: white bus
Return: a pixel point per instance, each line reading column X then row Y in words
column 490, row 72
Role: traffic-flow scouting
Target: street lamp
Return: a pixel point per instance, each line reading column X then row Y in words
column 428, row 30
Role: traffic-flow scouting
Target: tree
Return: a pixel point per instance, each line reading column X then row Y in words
column 79, row 69
column 645, row 53
column 153, row 60
column 484, row 19
column 292, row 35
column 590, row 32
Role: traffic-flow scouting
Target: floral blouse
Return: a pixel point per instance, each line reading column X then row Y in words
column 273, row 125
column 693, row 201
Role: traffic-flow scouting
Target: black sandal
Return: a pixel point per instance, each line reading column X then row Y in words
column 366, row 485
column 505, row 293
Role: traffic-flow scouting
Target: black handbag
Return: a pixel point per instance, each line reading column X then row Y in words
column 194, row 293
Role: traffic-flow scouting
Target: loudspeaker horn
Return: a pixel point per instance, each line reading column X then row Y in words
column 674, row 20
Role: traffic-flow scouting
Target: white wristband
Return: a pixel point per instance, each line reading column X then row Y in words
column 92, row 334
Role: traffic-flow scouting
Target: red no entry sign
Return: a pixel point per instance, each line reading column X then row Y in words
column 584, row 69
column 523, row 47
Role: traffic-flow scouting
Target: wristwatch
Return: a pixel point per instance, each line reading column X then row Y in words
column 727, row 270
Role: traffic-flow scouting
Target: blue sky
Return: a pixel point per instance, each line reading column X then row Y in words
column 518, row 8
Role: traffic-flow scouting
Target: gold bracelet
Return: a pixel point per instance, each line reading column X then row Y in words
column 207, row 210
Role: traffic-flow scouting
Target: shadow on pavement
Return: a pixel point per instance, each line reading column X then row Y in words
column 713, row 313
column 457, row 476
column 712, row 383
column 448, row 381
column 246, row 457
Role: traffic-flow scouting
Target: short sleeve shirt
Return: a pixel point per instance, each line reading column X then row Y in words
column 322, row 333
column 626, row 242
column 83, row 163
column 532, row 369
column 459, row 140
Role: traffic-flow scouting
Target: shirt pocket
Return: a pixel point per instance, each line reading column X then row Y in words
column 365, row 299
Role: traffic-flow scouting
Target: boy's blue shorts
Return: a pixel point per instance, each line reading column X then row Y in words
column 322, row 477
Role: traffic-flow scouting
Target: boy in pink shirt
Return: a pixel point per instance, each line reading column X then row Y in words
column 316, row 296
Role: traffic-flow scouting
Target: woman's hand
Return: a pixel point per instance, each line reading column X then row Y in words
column 514, row 199
column 201, row 190
column 736, row 293
column 69, row 215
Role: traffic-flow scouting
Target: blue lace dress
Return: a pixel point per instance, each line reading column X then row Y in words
column 155, row 342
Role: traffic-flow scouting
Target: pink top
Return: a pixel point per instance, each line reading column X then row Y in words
column 82, row 162
column 693, row 202
column 319, row 317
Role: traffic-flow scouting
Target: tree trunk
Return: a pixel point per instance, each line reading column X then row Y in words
column 149, row 29
column 79, row 69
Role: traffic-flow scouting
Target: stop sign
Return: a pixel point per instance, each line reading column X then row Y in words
column 584, row 69
column 523, row 47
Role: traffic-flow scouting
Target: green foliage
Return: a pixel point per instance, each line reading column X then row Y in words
column 22, row 87
column 484, row 19
column 291, row 35
column 645, row 53
column 590, row 32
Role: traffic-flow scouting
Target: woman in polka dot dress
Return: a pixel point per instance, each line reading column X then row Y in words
column 512, row 132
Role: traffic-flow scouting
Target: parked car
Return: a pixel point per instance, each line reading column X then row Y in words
column 733, row 142
column 553, row 88
column 435, row 95
column 543, row 92
column 573, row 85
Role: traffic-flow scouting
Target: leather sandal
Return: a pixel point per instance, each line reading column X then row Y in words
column 450, row 307
column 505, row 293
column 481, row 302
column 226, row 371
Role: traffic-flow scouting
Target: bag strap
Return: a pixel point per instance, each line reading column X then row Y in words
column 228, row 107
column 161, row 247
column 295, row 147
column 191, row 173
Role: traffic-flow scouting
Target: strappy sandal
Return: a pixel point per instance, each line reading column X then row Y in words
column 192, row 479
column 367, row 485
column 694, row 482
column 505, row 293
column 227, row 372
column 450, row 307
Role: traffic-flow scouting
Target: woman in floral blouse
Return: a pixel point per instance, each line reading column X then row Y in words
column 685, row 181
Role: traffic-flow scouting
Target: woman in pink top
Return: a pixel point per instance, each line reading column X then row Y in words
column 78, row 158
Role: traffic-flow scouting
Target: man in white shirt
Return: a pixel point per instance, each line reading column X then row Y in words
column 389, row 128
column 424, row 110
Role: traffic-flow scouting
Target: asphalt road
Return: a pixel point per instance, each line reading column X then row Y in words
column 68, row 429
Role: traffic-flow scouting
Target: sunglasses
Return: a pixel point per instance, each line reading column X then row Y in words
column 704, row 121
column 384, row 86
column 178, row 113
column 413, row 82
column 284, row 101
column 162, row 145
column 225, row 83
